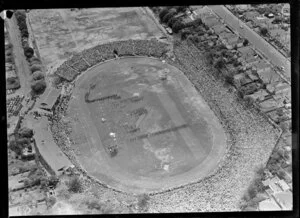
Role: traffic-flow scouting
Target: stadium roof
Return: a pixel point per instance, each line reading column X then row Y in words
column 49, row 98
column 49, row 150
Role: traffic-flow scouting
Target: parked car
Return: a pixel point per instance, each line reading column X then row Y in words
column 169, row 30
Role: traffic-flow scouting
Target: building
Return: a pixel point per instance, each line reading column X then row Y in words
column 260, row 95
column 268, row 205
column 28, row 153
column 16, row 182
column 248, row 56
column 269, row 76
column 261, row 66
column 286, row 10
column 10, row 74
column 47, row 148
column 49, row 99
column 219, row 28
column 228, row 38
column 285, row 199
column 269, row 105
column 211, row 21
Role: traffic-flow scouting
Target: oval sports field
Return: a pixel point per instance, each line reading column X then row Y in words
column 163, row 132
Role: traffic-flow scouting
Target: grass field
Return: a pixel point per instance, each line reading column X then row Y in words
column 165, row 133
column 61, row 32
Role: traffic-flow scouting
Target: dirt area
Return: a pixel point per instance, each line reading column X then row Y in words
column 165, row 134
column 61, row 32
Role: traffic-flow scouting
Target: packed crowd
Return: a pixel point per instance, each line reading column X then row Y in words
column 246, row 131
column 79, row 63
column 14, row 105
column 66, row 72
column 247, row 145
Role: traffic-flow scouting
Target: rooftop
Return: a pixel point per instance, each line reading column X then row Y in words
column 49, row 97
column 211, row 21
column 218, row 28
column 47, row 147
column 268, row 205
column 262, row 65
column 285, row 199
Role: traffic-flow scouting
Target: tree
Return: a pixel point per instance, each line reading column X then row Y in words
column 75, row 185
column 185, row 34
column 35, row 68
column 34, row 59
column 172, row 21
column 246, row 42
column 18, row 14
column 25, row 43
column 177, row 26
column 264, row 31
column 38, row 86
column 28, row 52
column 277, row 20
column 220, row 64
column 163, row 13
column 198, row 22
column 57, row 80
column 168, row 16
column 261, row 10
column 23, row 141
column 229, row 79
column 181, row 8
column 15, row 147
column 210, row 57
column 25, row 132
column 38, row 75
column 53, row 180
column 24, row 33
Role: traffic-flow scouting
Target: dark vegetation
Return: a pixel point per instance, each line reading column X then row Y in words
column 75, row 185
column 252, row 197
column 22, row 140
column 169, row 16
column 264, row 31
column 38, row 83
column 38, row 75
column 13, row 83
column 38, row 86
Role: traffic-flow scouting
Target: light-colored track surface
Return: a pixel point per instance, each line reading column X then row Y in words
column 193, row 156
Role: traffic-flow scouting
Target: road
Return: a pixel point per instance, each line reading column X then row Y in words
column 259, row 43
column 20, row 60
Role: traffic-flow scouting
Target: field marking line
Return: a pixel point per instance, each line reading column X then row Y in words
column 186, row 133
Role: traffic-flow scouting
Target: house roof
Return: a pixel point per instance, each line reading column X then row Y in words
column 269, row 76
column 262, row 64
column 284, row 185
column 266, row 182
column 275, row 188
column 211, row 21
column 285, row 199
column 268, row 205
column 247, row 50
column 218, row 28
